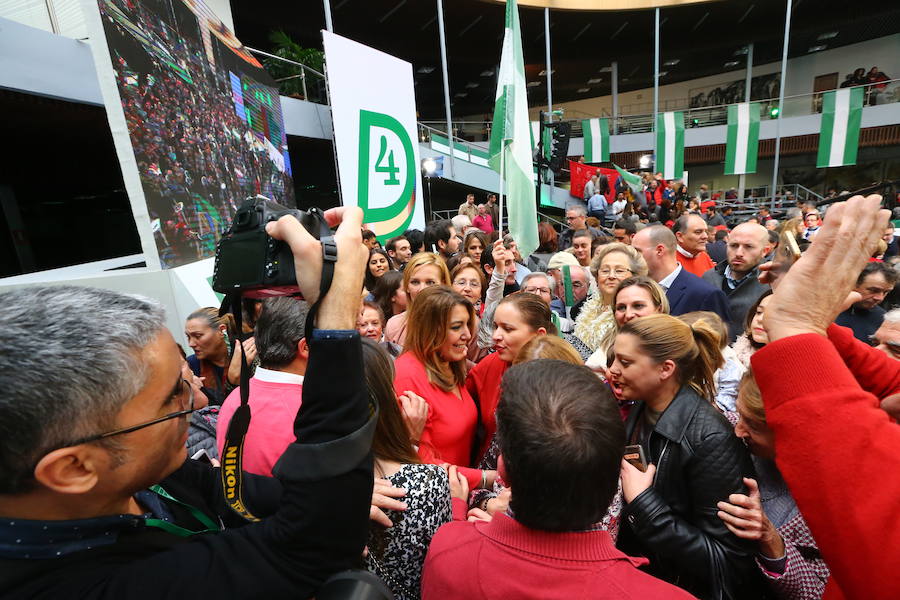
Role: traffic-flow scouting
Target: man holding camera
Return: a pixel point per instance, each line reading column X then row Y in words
column 97, row 498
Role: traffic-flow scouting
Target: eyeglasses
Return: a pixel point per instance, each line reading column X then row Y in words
column 536, row 290
column 617, row 272
column 187, row 407
column 471, row 283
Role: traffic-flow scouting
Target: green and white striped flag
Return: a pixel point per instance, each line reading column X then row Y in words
column 839, row 137
column 634, row 182
column 742, row 148
column 670, row 144
column 596, row 140
column 510, row 137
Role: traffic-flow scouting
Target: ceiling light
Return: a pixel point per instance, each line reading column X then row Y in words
column 595, row 80
column 533, row 83
column 624, row 79
column 605, row 70
column 471, row 85
column 460, row 94
column 487, row 73
column 663, row 73
column 424, row 70
column 672, row 62
column 829, row 35
column 732, row 63
column 544, row 72
column 741, row 51
column 582, row 90
column 817, row 48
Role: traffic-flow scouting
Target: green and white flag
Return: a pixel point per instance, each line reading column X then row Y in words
column 634, row 182
column 670, row 144
column 510, row 148
column 742, row 148
column 596, row 140
column 839, row 137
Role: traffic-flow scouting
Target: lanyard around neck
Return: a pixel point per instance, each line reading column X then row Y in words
column 175, row 529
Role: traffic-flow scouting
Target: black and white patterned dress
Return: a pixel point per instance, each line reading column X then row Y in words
column 397, row 554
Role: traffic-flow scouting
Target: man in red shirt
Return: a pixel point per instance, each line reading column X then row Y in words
column 559, row 430
column 691, row 233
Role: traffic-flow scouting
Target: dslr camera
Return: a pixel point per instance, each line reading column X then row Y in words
column 252, row 262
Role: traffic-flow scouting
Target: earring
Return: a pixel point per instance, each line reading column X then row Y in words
column 227, row 341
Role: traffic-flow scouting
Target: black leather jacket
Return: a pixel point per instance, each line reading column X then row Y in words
column 699, row 462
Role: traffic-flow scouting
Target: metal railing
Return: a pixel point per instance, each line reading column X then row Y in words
column 786, row 196
column 312, row 82
column 883, row 92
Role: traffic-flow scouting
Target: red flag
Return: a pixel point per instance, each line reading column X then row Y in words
column 582, row 173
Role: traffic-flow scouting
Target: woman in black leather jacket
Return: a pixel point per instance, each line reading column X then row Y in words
column 667, row 367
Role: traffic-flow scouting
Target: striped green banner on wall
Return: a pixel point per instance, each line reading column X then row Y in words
column 839, row 136
column 670, row 144
column 596, row 140
column 742, row 148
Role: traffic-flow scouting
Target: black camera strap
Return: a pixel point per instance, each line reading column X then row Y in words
column 233, row 450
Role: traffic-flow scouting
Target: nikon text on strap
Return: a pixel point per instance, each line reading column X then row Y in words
column 232, row 453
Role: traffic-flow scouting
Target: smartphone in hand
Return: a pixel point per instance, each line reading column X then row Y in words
column 634, row 455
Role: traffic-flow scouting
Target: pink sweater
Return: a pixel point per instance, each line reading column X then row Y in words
column 275, row 398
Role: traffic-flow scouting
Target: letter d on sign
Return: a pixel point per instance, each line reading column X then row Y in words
column 386, row 182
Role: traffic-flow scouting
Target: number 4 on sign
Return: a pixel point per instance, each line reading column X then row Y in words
column 390, row 168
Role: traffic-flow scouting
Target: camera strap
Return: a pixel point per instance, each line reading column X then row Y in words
column 231, row 471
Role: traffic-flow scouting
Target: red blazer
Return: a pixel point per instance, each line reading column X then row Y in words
column 450, row 428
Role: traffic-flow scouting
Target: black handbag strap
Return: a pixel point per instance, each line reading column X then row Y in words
column 232, row 453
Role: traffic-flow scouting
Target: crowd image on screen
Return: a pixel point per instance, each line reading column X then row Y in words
column 198, row 158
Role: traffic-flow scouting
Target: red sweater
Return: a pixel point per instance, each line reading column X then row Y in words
column 698, row 265
column 450, row 428
column 502, row 559
column 483, row 383
column 838, row 453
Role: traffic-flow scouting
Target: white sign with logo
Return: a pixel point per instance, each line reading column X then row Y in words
column 373, row 108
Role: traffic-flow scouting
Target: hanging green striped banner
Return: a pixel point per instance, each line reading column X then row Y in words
column 670, row 144
column 742, row 148
column 596, row 140
column 839, row 136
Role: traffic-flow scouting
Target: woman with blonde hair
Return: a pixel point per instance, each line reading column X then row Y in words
column 441, row 323
column 788, row 556
column 423, row 270
column 612, row 263
column 692, row 459
column 210, row 337
column 548, row 346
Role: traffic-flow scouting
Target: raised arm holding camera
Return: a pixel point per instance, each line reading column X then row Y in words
column 96, row 497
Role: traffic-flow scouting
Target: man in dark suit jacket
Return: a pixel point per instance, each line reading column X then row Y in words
column 686, row 292
column 718, row 249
